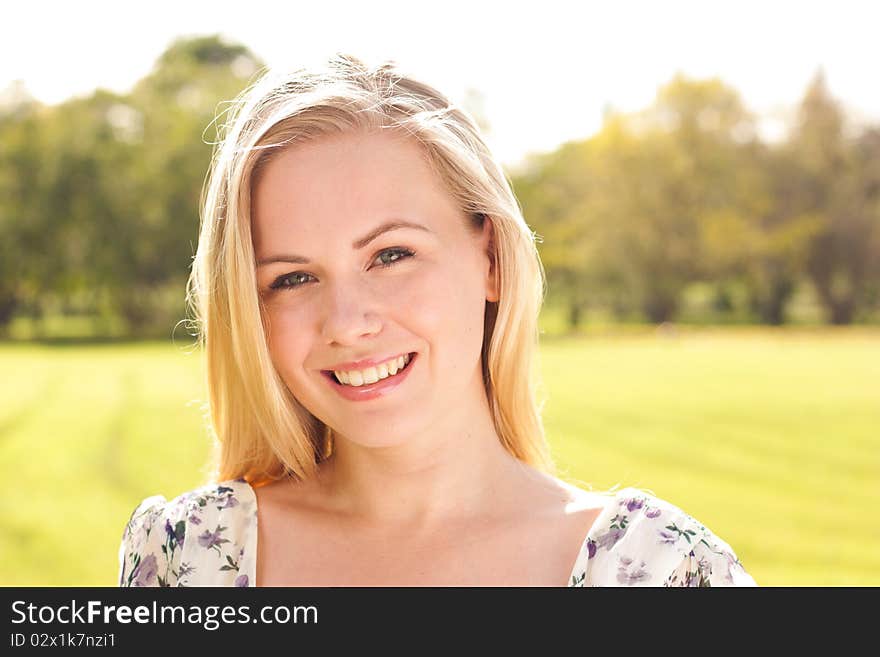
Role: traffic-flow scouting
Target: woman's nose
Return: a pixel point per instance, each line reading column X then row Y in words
column 350, row 313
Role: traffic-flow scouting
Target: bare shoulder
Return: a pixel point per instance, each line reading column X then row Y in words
column 554, row 495
column 556, row 517
column 284, row 494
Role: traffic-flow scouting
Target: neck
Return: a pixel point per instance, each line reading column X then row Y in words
column 457, row 468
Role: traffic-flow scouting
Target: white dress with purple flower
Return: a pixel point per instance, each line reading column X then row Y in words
column 208, row 537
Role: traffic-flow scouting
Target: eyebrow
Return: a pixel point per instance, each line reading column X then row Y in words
column 357, row 244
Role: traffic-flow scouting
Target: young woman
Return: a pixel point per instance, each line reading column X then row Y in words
column 367, row 293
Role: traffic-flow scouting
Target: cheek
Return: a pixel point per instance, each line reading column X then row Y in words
column 285, row 337
column 446, row 303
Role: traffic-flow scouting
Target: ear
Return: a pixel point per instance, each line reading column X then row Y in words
column 493, row 292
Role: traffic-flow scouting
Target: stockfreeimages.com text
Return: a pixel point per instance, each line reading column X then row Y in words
column 211, row 617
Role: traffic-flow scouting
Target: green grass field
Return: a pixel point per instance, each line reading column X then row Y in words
column 771, row 438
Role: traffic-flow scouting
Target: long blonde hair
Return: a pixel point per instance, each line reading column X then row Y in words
column 262, row 432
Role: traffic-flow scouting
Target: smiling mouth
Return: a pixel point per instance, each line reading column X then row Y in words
column 330, row 375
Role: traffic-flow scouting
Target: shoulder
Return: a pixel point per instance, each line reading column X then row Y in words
column 152, row 546
column 641, row 539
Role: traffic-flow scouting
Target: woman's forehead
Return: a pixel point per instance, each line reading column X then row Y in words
column 361, row 151
column 347, row 178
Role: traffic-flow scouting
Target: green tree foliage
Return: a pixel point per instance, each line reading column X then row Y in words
column 633, row 215
column 20, row 201
column 686, row 192
column 555, row 189
column 169, row 116
column 99, row 211
column 837, row 182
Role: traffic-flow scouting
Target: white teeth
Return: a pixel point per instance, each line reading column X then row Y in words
column 372, row 374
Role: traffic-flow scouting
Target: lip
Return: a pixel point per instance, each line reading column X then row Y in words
column 381, row 388
column 363, row 364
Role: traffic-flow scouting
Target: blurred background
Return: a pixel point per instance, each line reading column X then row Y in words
column 704, row 180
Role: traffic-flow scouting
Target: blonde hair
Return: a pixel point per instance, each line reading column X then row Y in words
column 262, row 432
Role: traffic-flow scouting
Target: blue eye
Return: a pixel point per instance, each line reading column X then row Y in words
column 402, row 254
column 284, row 281
column 298, row 278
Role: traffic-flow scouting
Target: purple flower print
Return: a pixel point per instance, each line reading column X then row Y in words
column 176, row 533
column 667, row 537
column 652, row 512
column 705, row 567
column 610, row 538
column 209, row 539
column 194, row 519
column 230, row 502
column 146, row 571
column 631, row 578
column 241, row 581
column 634, row 503
column 591, row 548
column 638, row 574
column 701, row 576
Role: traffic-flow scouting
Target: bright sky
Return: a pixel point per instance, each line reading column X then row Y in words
column 546, row 74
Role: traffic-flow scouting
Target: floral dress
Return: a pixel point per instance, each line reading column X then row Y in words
column 208, row 537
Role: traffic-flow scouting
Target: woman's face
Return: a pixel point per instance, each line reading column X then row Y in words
column 318, row 211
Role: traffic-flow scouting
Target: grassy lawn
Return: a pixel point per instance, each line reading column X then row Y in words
column 771, row 438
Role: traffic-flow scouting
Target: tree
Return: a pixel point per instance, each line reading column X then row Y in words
column 837, row 183
column 99, row 196
column 554, row 191
column 20, row 198
column 623, row 212
column 683, row 173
